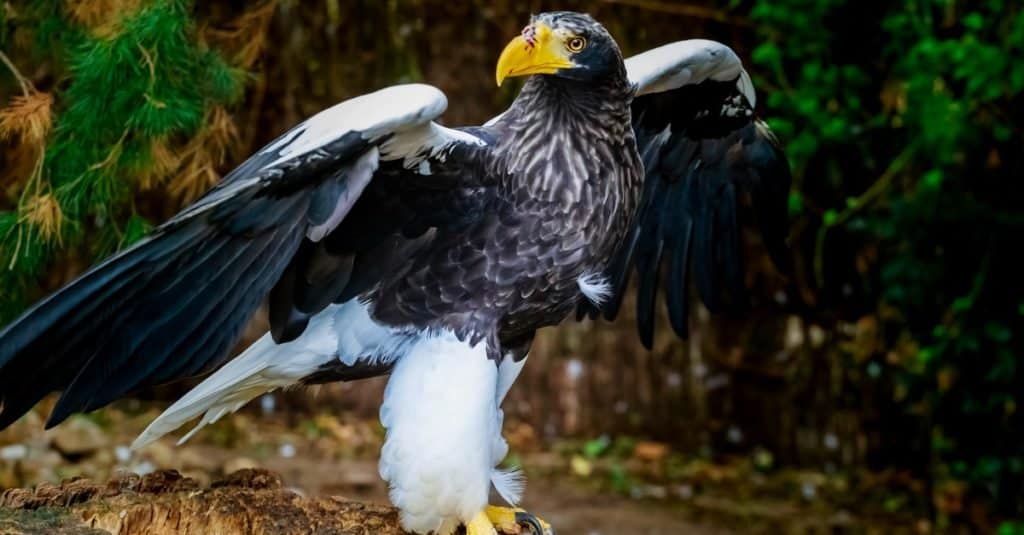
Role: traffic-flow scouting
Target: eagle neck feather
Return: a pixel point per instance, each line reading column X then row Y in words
column 562, row 137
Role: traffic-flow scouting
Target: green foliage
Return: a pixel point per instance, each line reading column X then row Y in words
column 593, row 449
column 142, row 78
column 903, row 124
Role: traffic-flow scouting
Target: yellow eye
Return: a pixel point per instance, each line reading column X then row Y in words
column 576, row 44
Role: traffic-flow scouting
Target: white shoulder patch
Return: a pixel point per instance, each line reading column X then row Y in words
column 429, row 140
column 388, row 110
column 595, row 287
column 687, row 62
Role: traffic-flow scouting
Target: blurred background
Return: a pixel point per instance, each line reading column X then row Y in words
column 876, row 390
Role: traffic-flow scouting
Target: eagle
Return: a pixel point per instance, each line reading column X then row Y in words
column 385, row 243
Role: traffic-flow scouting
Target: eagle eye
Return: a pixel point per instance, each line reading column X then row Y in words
column 576, row 44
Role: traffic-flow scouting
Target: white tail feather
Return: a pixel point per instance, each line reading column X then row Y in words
column 232, row 386
column 264, row 367
column 344, row 333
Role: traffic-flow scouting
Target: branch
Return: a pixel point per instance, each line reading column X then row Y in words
column 858, row 204
column 26, row 86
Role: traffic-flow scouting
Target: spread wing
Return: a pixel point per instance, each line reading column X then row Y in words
column 707, row 157
column 174, row 304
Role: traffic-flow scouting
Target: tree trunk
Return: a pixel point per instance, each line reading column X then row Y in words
column 166, row 503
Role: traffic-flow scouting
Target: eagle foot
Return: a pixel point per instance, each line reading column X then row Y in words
column 507, row 520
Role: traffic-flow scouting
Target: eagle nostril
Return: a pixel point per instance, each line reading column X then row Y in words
column 530, row 35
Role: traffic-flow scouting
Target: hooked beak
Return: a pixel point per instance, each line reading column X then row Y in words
column 535, row 51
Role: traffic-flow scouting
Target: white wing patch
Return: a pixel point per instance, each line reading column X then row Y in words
column 746, row 86
column 392, row 110
column 426, row 141
column 688, row 62
column 388, row 110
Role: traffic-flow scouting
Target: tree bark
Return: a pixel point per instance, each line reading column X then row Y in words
column 166, row 503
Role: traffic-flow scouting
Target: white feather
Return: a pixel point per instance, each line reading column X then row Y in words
column 391, row 110
column 344, row 332
column 510, row 485
column 440, row 412
column 429, row 140
column 388, row 110
column 508, row 371
column 595, row 287
column 688, row 62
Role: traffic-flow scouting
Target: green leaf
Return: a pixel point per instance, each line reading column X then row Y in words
column 766, row 54
column 974, row 21
column 932, row 180
column 1011, row 528
column 594, row 448
column 796, row 203
column 136, row 228
column 963, row 304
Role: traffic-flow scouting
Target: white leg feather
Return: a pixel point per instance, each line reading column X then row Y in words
column 440, row 411
column 510, row 484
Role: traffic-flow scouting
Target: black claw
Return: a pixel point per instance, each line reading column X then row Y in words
column 526, row 519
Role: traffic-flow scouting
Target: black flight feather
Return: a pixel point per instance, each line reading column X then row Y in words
column 702, row 148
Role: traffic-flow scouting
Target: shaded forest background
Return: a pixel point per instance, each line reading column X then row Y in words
column 894, row 347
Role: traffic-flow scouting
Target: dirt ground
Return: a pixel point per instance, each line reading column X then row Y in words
column 569, row 508
column 619, row 486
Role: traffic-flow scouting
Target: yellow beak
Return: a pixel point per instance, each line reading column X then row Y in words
column 536, row 51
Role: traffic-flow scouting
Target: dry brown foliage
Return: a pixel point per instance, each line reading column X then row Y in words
column 163, row 161
column 102, row 17
column 27, row 118
column 246, row 35
column 43, row 211
column 203, row 154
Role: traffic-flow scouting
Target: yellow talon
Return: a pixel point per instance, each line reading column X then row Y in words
column 509, row 520
column 506, row 520
column 503, row 518
column 480, row 525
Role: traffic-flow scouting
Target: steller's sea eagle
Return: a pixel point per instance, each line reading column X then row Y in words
column 386, row 243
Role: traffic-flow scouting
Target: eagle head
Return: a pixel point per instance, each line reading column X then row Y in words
column 563, row 44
